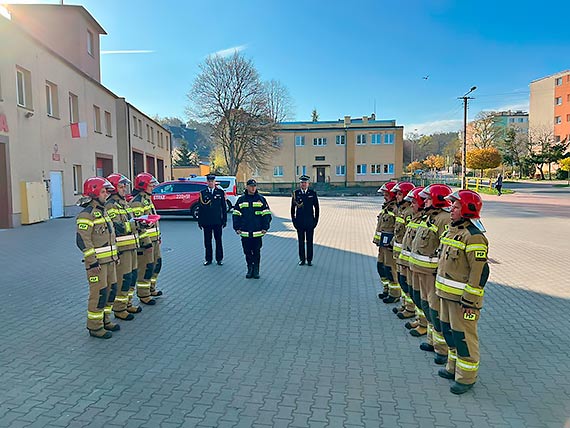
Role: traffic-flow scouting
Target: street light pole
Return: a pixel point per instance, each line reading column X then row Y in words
column 465, row 99
column 414, row 142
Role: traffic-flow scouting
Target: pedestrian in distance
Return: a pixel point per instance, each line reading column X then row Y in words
column 251, row 220
column 212, row 218
column 499, row 184
column 95, row 237
column 305, row 217
column 462, row 273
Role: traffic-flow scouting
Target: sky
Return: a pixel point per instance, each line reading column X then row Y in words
column 404, row 60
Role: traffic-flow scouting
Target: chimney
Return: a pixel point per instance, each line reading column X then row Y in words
column 346, row 120
column 373, row 116
column 364, row 119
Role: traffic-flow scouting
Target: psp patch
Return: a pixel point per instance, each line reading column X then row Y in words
column 480, row 255
column 83, row 226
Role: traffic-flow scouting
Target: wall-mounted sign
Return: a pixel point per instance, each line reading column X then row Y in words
column 55, row 155
column 3, row 123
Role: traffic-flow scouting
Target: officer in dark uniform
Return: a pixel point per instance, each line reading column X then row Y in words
column 305, row 216
column 251, row 218
column 212, row 217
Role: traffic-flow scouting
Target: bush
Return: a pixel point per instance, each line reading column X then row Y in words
column 561, row 175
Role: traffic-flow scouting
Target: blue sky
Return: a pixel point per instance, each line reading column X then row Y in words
column 341, row 58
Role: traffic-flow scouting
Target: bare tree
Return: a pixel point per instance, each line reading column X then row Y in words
column 484, row 132
column 540, row 142
column 314, row 115
column 229, row 93
column 279, row 101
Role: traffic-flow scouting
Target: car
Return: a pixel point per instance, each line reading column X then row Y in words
column 227, row 183
column 179, row 197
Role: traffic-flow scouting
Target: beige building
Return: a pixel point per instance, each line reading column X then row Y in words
column 349, row 152
column 50, row 90
column 550, row 105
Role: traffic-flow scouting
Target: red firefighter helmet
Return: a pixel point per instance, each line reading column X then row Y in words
column 389, row 187
column 404, row 187
column 115, row 179
column 414, row 195
column 143, row 179
column 437, row 193
column 471, row 203
column 92, row 186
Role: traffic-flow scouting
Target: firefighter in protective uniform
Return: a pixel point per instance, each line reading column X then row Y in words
column 417, row 203
column 423, row 264
column 126, row 234
column 404, row 214
column 383, row 239
column 460, row 284
column 95, row 237
column 149, row 257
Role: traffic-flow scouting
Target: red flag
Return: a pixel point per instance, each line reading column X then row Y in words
column 78, row 130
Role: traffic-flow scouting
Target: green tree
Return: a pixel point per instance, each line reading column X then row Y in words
column 183, row 156
column 483, row 159
column 315, row 115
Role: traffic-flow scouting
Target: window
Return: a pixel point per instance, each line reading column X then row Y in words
column 361, row 139
column 52, row 103
column 388, row 138
column 320, row 141
column 557, row 138
column 376, row 139
column 361, row 169
column 73, row 108
column 521, row 120
column 140, row 128
column 90, row 42
column 152, row 135
column 558, row 81
column 557, row 120
column 340, row 140
column 277, row 141
column 301, row 170
column 77, row 180
column 97, row 119
column 511, row 120
column 135, row 132
column 278, row 171
column 24, row 87
column 340, row 170
column 108, row 125
column 568, row 118
column 167, row 142
column 376, row 169
column 568, row 98
column 389, row 168
column 300, row 140
column 320, row 158
column 147, row 132
column 558, row 101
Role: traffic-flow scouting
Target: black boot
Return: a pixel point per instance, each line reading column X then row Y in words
column 460, row 388
column 445, row 374
column 249, row 273
column 440, row 359
column 256, row 271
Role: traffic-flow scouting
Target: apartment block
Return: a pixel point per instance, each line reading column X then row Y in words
column 550, row 104
column 347, row 152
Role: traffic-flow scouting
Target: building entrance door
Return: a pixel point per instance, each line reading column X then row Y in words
column 320, row 174
column 5, row 202
column 56, row 193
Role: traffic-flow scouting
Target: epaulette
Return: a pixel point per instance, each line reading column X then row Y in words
column 473, row 230
column 88, row 209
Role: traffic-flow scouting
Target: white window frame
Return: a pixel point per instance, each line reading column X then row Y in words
column 52, row 103
column 90, row 43
column 278, row 171
column 73, row 108
column 320, row 141
column 108, row 124
column 389, row 168
column 375, row 168
column 558, row 101
column 300, row 140
column 77, row 180
column 557, row 120
column 340, row 170
column 140, row 128
column 361, row 140
column 375, row 139
column 97, row 119
column 278, row 141
column 340, row 140
column 362, row 167
column 558, row 81
column 24, row 88
column 389, row 138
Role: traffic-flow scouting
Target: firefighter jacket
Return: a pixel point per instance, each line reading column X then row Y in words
column 424, row 254
column 95, row 235
column 213, row 209
column 305, row 209
column 409, row 234
column 142, row 205
column 121, row 214
column 385, row 226
column 463, row 270
column 403, row 216
column 251, row 215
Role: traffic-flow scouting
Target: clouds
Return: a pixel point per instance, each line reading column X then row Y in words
column 229, row 51
column 427, row 128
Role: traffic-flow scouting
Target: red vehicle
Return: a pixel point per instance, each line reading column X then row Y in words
column 178, row 197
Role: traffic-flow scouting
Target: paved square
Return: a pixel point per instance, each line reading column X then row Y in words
column 300, row 347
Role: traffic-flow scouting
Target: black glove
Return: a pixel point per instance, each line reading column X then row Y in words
column 223, row 225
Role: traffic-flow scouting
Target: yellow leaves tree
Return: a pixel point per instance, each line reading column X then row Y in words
column 435, row 162
column 565, row 166
column 414, row 166
column 483, row 159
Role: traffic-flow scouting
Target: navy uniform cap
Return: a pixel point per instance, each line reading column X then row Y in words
column 251, row 182
column 210, row 177
column 304, row 178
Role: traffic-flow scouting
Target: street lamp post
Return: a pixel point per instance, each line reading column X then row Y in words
column 465, row 99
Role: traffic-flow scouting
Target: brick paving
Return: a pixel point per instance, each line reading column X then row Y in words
column 300, row 347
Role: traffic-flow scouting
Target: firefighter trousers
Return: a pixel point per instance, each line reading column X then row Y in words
column 102, row 287
column 157, row 260
column 460, row 333
column 386, row 257
column 430, row 306
column 403, row 275
column 145, row 271
column 414, row 282
column 252, row 250
column 125, row 271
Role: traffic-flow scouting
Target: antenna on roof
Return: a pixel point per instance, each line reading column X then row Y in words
column 374, row 101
